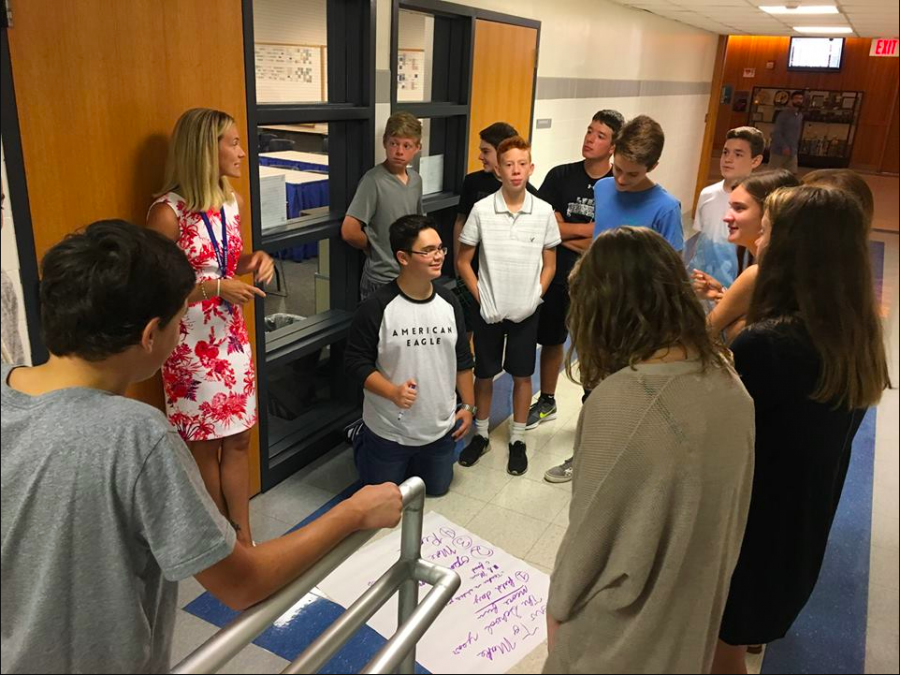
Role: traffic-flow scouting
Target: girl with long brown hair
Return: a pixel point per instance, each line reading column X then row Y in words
column 813, row 359
column 662, row 478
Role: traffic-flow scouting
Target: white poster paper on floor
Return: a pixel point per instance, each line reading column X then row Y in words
column 497, row 617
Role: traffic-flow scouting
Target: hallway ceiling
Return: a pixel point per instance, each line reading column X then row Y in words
column 867, row 18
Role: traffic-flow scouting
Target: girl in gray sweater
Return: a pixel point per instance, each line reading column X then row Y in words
column 663, row 469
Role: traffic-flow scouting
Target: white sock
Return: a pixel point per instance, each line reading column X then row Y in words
column 481, row 428
column 516, row 432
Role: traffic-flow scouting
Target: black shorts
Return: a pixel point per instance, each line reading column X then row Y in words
column 520, row 340
column 552, row 323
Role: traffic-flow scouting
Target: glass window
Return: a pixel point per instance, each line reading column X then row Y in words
column 309, row 394
column 291, row 55
column 415, row 54
column 302, row 284
column 293, row 174
column 430, row 161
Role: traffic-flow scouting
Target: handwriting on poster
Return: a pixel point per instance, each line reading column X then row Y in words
column 497, row 616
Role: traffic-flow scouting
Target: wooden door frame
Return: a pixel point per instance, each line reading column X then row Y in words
column 17, row 186
column 890, row 118
column 712, row 115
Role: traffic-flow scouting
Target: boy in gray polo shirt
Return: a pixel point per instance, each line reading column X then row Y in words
column 103, row 506
column 517, row 234
column 387, row 192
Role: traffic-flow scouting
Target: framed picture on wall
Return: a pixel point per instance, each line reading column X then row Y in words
column 782, row 97
column 817, row 101
column 848, row 102
column 741, row 99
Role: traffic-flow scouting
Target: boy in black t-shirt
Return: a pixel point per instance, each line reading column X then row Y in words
column 569, row 188
column 476, row 186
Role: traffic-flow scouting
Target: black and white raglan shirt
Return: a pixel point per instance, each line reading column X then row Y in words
column 404, row 338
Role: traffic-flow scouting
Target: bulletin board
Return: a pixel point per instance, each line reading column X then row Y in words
column 289, row 73
column 411, row 75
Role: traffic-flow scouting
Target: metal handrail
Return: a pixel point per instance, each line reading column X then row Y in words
column 404, row 576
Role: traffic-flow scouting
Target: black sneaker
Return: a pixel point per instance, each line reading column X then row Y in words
column 542, row 411
column 518, row 460
column 477, row 447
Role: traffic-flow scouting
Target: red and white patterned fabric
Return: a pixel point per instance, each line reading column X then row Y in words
column 209, row 379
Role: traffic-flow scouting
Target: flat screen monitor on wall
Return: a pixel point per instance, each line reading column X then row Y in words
column 816, row 53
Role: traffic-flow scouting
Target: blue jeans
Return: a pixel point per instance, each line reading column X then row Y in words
column 379, row 460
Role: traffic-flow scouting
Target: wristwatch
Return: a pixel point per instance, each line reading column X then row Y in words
column 471, row 408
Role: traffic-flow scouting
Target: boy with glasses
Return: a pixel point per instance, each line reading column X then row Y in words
column 408, row 347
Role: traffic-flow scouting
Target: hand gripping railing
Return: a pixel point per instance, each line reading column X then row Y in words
column 399, row 654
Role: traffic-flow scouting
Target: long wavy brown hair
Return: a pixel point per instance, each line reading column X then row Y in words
column 631, row 297
column 817, row 270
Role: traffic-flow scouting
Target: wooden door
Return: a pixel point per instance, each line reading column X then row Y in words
column 712, row 117
column 99, row 86
column 505, row 58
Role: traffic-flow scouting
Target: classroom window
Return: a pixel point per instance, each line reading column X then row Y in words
column 310, row 87
column 293, row 175
column 415, row 54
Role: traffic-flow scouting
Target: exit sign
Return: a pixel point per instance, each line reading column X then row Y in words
column 884, row 47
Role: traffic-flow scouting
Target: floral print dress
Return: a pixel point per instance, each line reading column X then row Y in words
column 209, row 380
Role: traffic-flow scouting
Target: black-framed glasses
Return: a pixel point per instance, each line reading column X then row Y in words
column 431, row 252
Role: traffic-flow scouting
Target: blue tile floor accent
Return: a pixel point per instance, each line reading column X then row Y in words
column 295, row 632
column 829, row 636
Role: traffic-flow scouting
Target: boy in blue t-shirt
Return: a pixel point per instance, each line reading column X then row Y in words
column 630, row 197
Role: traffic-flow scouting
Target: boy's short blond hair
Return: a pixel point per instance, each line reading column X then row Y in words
column 403, row 125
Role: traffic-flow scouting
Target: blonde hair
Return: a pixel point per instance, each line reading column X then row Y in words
column 192, row 167
column 630, row 297
column 403, row 125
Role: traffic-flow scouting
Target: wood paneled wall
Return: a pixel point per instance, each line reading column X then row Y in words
column 502, row 80
column 99, row 86
column 875, row 76
column 890, row 162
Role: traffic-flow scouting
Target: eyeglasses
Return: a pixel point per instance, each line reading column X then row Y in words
column 430, row 252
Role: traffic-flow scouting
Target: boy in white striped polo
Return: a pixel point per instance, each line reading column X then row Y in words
column 517, row 234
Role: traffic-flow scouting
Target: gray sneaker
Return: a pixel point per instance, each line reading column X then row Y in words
column 561, row 473
column 543, row 410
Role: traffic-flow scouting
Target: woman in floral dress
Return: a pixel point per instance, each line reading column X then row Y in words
column 209, row 380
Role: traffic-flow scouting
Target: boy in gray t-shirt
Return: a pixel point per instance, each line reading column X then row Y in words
column 103, row 506
column 387, row 192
